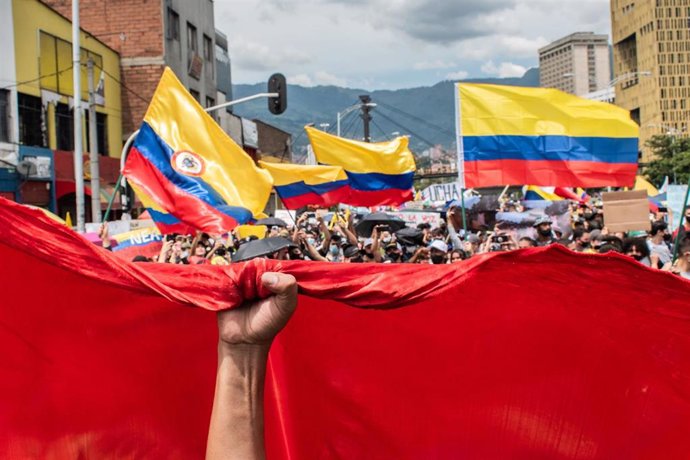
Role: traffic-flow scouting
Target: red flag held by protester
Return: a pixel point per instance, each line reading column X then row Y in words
column 495, row 357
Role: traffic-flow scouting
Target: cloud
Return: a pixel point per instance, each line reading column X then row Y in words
column 431, row 65
column 256, row 56
column 318, row 78
column 504, row 70
column 459, row 75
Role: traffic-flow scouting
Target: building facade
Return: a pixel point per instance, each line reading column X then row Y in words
column 37, row 105
column 577, row 64
column 150, row 35
column 651, row 49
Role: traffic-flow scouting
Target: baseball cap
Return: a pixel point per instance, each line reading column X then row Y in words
column 439, row 245
column 542, row 220
column 368, row 242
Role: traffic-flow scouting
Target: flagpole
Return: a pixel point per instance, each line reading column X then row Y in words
column 676, row 244
column 460, row 154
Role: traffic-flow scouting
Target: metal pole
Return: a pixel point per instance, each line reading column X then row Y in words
column 93, row 150
column 239, row 101
column 366, row 118
column 464, row 217
column 78, row 149
column 676, row 244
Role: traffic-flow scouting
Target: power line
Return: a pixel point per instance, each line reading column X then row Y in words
column 416, row 118
column 19, row 83
column 379, row 128
column 344, row 132
column 121, row 84
column 407, row 129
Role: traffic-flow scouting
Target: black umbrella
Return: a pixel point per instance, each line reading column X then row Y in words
column 260, row 248
column 368, row 222
column 410, row 236
column 271, row 221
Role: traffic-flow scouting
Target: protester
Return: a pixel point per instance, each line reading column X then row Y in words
column 336, row 239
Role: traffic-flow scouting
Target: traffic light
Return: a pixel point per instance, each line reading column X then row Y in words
column 277, row 84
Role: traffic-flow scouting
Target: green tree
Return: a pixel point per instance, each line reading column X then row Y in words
column 671, row 157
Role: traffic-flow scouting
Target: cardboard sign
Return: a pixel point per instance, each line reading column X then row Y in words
column 626, row 211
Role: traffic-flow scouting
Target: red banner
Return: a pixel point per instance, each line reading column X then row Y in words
column 540, row 353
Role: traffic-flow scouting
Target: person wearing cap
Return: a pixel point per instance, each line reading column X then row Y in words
column 544, row 231
column 437, row 252
column 393, row 253
column 471, row 245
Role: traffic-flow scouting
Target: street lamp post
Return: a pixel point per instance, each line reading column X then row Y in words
column 340, row 115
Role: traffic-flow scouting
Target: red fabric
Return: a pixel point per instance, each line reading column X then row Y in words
column 549, row 173
column 541, row 353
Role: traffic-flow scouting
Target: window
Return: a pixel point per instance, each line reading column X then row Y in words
column 208, row 53
column 64, row 127
column 195, row 94
column 101, row 133
column 210, row 102
column 191, row 39
column 4, row 115
column 30, row 120
column 173, row 25
column 55, row 65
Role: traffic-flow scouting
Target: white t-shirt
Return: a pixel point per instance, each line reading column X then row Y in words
column 661, row 250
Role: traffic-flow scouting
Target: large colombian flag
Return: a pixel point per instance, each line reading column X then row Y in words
column 513, row 136
column 299, row 185
column 190, row 168
column 379, row 173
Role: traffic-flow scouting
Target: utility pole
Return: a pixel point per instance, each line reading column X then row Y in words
column 366, row 118
column 93, row 150
column 78, row 148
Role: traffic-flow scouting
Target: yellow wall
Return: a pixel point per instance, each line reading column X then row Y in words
column 30, row 18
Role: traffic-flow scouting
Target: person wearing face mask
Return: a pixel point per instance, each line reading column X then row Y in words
column 583, row 241
column 658, row 245
column 437, row 252
column 544, row 231
column 637, row 249
column 682, row 266
column 393, row 253
column 334, row 254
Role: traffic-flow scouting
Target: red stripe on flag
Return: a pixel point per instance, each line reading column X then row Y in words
column 331, row 198
column 389, row 197
column 549, row 173
column 185, row 207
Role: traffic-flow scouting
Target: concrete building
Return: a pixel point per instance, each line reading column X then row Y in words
column 651, row 50
column 150, row 35
column 577, row 64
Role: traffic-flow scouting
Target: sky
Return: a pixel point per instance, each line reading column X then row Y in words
column 392, row 44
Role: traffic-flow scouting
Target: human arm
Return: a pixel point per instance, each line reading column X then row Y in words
column 419, row 255
column 104, row 236
column 452, row 234
column 376, row 245
column 245, row 335
column 351, row 237
column 166, row 249
column 323, row 228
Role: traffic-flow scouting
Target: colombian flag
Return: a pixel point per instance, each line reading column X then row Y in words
column 379, row 173
column 299, row 185
column 184, row 162
column 511, row 136
column 144, row 241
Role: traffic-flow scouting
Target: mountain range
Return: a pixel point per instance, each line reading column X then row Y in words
column 425, row 113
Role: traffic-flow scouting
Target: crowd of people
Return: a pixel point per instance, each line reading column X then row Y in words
column 314, row 236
